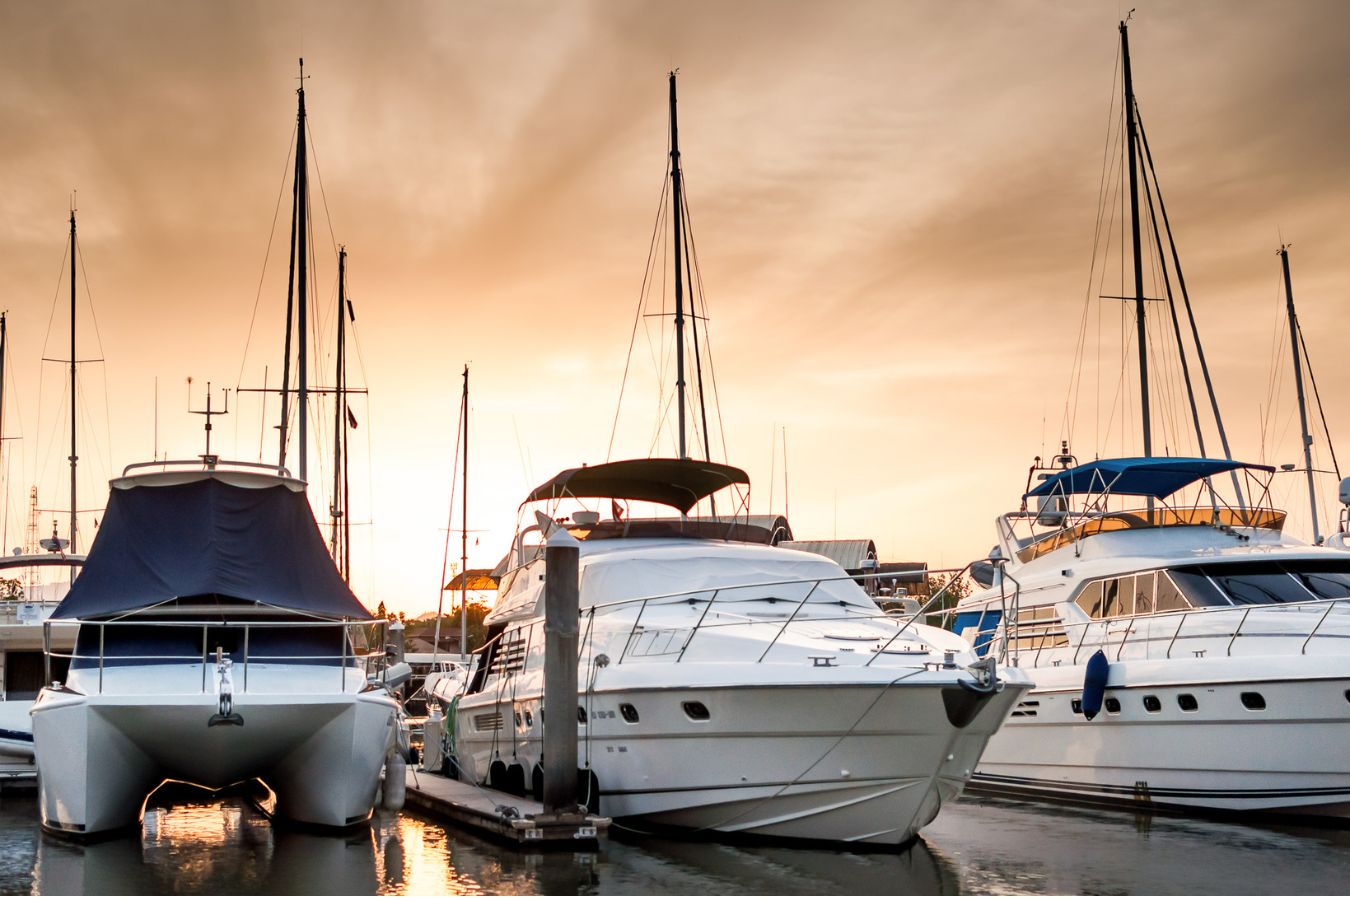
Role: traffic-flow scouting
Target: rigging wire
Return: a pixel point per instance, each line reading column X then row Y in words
column 267, row 254
column 1321, row 412
column 637, row 316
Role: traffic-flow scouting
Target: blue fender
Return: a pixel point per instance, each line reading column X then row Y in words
column 1094, row 685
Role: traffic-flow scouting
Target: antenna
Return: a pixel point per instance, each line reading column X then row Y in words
column 208, row 458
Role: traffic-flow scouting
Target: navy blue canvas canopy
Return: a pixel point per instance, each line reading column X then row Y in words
column 208, row 537
column 1146, row 476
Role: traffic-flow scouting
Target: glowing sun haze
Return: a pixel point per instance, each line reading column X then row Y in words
column 894, row 206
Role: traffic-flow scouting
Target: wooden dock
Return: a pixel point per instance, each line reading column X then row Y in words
column 517, row 820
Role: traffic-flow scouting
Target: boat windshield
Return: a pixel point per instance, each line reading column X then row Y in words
column 1216, row 585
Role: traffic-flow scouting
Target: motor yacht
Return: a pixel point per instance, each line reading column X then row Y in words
column 726, row 685
column 216, row 643
column 1187, row 654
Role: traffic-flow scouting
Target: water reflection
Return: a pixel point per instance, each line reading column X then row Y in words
column 974, row 847
column 226, row 847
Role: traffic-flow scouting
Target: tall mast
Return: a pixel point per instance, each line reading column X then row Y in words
column 302, row 269
column 1131, row 141
column 1298, row 380
column 337, row 508
column 290, row 300
column 464, row 524
column 677, row 206
column 73, row 457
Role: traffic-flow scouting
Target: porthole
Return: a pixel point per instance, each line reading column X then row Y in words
column 1253, row 700
column 1077, row 705
column 1152, row 703
column 1347, row 696
column 1187, row 702
column 628, row 711
column 696, row 711
column 529, row 719
column 1112, row 705
column 517, row 715
column 581, row 715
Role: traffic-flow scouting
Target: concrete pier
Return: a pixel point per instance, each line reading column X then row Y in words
column 515, row 820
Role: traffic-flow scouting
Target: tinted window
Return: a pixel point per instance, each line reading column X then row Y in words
column 1167, row 597
column 1199, row 590
column 1152, row 703
column 1250, row 586
column 1187, row 702
column 1325, row 584
column 1090, row 600
column 1120, row 597
column 1253, row 700
column 1143, row 593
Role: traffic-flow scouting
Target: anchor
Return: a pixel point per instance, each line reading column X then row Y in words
column 225, row 714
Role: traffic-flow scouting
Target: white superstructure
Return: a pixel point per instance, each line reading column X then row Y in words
column 726, row 686
column 1223, row 683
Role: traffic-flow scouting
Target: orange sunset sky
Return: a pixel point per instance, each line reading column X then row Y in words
column 894, row 208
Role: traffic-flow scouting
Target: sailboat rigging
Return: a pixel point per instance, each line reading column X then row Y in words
column 690, row 307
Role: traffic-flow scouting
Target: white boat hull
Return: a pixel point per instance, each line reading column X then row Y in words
column 1285, row 759
column 99, row 756
column 867, row 763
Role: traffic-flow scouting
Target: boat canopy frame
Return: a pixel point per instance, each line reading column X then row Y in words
column 1158, row 479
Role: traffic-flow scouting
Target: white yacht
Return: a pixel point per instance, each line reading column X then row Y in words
column 216, row 643
column 725, row 685
column 33, row 583
column 1187, row 654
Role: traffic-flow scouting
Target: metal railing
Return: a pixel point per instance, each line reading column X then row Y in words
column 676, row 641
column 361, row 646
column 1137, row 637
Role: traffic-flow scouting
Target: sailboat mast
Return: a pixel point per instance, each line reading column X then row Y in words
column 677, row 206
column 1131, row 141
column 337, row 509
column 464, row 523
column 302, row 270
column 73, row 457
column 1298, row 380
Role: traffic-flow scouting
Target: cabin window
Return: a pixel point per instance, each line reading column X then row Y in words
column 1152, row 704
column 1250, row 585
column 529, row 719
column 1090, row 599
column 1167, row 597
column 628, row 711
column 1112, row 705
column 1143, row 593
column 696, row 711
column 1197, row 588
column 1187, row 702
column 1120, row 597
column 1253, row 700
column 581, row 715
column 1327, row 582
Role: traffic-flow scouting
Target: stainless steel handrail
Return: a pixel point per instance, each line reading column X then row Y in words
column 200, row 465
column 351, row 630
column 1098, row 635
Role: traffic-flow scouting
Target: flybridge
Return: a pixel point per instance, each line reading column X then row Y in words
column 1154, row 476
column 1057, row 521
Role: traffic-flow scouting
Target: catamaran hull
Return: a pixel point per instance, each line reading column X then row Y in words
column 1279, row 753
column 852, row 763
column 99, row 756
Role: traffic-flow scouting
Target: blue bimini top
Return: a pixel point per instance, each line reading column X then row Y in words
column 1144, row 476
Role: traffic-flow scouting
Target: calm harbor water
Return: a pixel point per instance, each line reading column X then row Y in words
column 974, row 847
